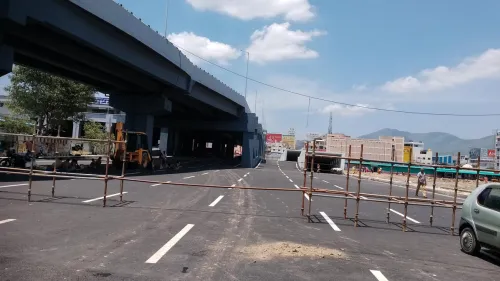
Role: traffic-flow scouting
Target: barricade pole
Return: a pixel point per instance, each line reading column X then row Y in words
column 431, row 218
column 305, row 178
column 311, row 183
column 32, row 162
column 347, row 182
column 123, row 165
column 55, row 171
column 407, row 190
column 454, row 210
column 390, row 184
column 356, row 217
column 108, row 151
column 479, row 166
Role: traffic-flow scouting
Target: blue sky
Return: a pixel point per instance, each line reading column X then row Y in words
column 416, row 55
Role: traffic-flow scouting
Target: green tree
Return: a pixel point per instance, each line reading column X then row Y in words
column 95, row 130
column 16, row 125
column 47, row 98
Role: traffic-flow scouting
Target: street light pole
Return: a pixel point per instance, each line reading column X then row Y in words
column 255, row 109
column 166, row 17
column 246, row 77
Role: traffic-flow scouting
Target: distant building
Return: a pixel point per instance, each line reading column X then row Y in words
column 443, row 160
column 373, row 149
column 485, row 157
column 418, row 153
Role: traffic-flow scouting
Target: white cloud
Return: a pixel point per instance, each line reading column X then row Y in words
column 484, row 66
column 277, row 42
column 345, row 110
column 201, row 46
column 292, row 10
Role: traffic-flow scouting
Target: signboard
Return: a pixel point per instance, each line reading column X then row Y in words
column 491, row 153
column 289, row 141
column 102, row 101
column 273, row 138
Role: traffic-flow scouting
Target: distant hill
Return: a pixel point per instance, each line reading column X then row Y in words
column 443, row 143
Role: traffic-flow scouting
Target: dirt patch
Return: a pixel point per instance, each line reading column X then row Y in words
column 268, row 251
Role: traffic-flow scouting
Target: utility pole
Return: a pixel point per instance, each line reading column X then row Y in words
column 255, row 109
column 246, row 77
column 330, row 129
column 166, row 17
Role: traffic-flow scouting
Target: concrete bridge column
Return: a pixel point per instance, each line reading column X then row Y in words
column 248, row 157
column 141, row 123
column 163, row 140
column 6, row 57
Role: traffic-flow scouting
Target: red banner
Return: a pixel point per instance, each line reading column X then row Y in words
column 491, row 153
column 273, row 138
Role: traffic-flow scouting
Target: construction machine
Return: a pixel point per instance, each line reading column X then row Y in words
column 136, row 149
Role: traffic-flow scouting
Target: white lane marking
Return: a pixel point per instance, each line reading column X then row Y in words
column 163, row 250
column 216, row 171
column 287, row 177
column 95, row 199
column 216, row 201
column 362, row 197
column 290, row 180
column 12, row 185
column 240, row 180
column 245, row 175
column 233, row 185
column 157, row 184
column 325, row 181
column 6, row 221
column 256, row 167
column 338, row 186
column 330, row 222
column 305, row 195
column 398, row 213
column 185, row 178
column 204, row 174
column 296, row 186
column 379, row 275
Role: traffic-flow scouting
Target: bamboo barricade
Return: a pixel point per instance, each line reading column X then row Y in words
column 393, row 152
column 405, row 200
column 54, row 174
column 311, row 181
column 305, row 177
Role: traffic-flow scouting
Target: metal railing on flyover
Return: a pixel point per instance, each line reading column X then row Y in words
column 386, row 198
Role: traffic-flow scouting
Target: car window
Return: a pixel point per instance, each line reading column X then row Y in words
column 493, row 200
column 483, row 195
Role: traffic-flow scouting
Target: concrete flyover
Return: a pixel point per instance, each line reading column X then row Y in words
column 162, row 92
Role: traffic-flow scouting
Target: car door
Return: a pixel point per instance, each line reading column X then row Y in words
column 486, row 216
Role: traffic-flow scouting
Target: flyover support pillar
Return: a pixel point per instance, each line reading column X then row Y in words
column 250, row 148
column 6, row 57
column 141, row 123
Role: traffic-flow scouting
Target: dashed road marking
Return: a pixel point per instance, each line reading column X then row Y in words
column 157, row 184
column 398, row 213
column 204, row 174
column 325, row 181
column 185, row 178
column 287, row 177
column 100, row 198
column 216, row 201
column 240, row 180
column 163, row 250
column 216, row 171
column 256, row 167
column 338, row 186
column 12, row 185
column 6, row 221
column 378, row 275
column 362, row 197
column 233, row 185
column 296, row 186
column 290, row 180
column 330, row 222
column 305, row 195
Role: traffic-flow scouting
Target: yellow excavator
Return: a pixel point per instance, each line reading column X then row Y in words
column 136, row 149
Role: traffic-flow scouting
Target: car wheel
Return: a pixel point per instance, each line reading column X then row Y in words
column 468, row 241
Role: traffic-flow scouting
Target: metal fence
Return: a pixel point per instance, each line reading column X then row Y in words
column 310, row 190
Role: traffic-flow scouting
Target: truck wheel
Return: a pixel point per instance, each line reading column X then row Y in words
column 145, row 160
column 468, row 241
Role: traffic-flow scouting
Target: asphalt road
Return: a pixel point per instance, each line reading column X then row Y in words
column 166, row 232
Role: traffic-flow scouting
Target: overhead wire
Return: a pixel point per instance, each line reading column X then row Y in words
column 338, row 102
